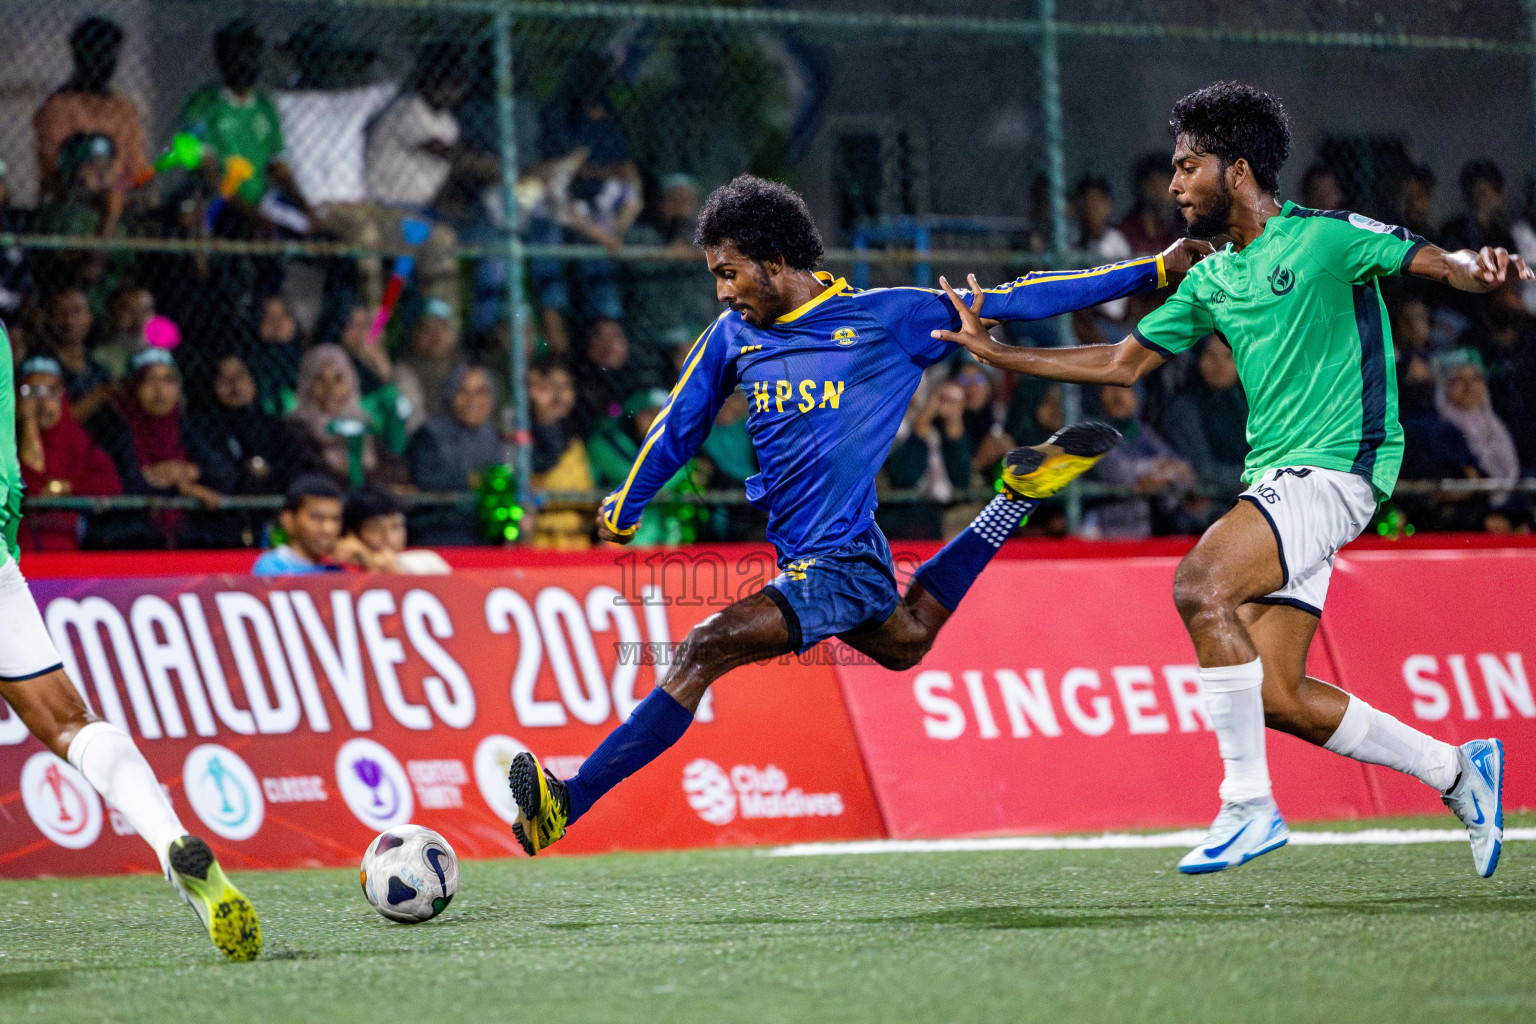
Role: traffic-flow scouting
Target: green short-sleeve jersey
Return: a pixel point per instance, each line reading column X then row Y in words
column 251, row 129
column 10, row 462
column 1301, row 309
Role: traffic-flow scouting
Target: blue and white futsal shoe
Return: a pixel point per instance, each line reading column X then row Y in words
column 1478, row 800
column 1241, row 832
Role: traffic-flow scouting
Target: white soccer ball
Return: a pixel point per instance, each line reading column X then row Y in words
column 410, row 874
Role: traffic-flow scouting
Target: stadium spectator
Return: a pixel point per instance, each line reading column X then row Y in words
column 374, row 367
column 81, row 207
column 1207, row 420
column 559, row 456
column 1145, row 463
column 129, row 312
column 311, row 521
column 452, row 450
column 1484, row 221
column 17, row 284
column 435, row 353
column 331, row 430
column 275, row 358
column 983, row 422
column 1035, row 412
column 1461, row 399
column 1092, row 205
column 1153, row 223
column 1320, row 189
column 606, row 376
column 238, row 119
column 412, row 147
column 1416, row 199
column 58, row 457
column 325, row 113
column 156, row 451
column 72, row 329
column 1413, row 341
column 668, row 303
column 373, row 537
column 1505, row 337
column 611, row 450
column 605, row 199
column 86, row 105
column 235, row 426
column 932, row 454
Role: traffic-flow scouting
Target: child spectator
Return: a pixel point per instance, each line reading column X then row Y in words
column 85, row 104
column 331, row 429
column 373, row 537
column 81, row 206
column 452, row 450
column 311, row 520
column 58, row 457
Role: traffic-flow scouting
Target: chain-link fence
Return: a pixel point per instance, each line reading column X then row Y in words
column 266, row 239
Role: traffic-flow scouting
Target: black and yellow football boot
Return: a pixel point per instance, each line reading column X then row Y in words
column 1041, row 470
column 226, row 913
column 542, row 804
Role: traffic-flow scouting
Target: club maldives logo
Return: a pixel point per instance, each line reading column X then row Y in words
column 60, row 802
column 373, row 784
column 223, row 791
column 751, row 792
column 493, row 759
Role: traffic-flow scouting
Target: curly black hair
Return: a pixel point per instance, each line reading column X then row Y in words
column 764, row 219
column 1230, row 120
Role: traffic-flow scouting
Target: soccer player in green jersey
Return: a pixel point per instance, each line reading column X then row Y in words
column 1294, row 293
column 33, row 683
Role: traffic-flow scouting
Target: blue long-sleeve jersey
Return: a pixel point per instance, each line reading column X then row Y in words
column 827, row 386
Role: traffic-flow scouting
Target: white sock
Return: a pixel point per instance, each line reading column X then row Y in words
column 1375, row 737
column 1234, row 698
column 110, row 762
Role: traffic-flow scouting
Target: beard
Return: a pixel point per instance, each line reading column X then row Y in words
column 767, row 301
column 1213, row 219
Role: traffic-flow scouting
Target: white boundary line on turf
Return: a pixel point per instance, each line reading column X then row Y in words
column 1124, row 841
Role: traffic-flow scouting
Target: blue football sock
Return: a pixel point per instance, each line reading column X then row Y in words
column 950, row 573
column 656, row 723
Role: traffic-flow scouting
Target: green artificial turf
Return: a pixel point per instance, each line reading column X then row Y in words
column 1353, row 933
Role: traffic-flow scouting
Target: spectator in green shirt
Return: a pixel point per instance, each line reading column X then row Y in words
column 238, row 119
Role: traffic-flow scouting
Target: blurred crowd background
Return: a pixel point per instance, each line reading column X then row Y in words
column 242, row 244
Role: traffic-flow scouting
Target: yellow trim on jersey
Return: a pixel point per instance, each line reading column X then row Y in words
column 1162, row 272
column 657, row 428
column 1076, row 275
column 833, row 288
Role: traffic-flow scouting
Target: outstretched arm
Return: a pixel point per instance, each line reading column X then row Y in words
column 1047, row 293
column 676, row 433
column 1469, row 271
column 1121, row 364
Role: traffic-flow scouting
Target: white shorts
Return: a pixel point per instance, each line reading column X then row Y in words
column 26, row 649
column 1313, row 512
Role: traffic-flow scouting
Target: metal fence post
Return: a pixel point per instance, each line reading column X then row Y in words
column 516, row 314
column 1055, row 169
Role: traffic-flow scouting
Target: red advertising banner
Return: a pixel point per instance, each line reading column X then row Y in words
column 293, row 719
column 1446, row 641
column 1064, row 696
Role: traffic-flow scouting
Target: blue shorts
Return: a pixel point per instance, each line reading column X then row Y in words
column 836, row 593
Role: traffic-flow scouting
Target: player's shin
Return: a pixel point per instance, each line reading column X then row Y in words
column 1375, row 737
column 1234, row 698
column 110, row 762
column 950, row 573
column 656, row 723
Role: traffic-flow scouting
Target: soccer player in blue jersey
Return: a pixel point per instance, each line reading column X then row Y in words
column 828, row 372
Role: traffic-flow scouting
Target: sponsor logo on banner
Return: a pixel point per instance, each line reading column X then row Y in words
column 493, row 760
column 438, row 783
column 373, row 784
column 295, row 789
column 751, row 792
column 223, row 791
column 60, row 802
